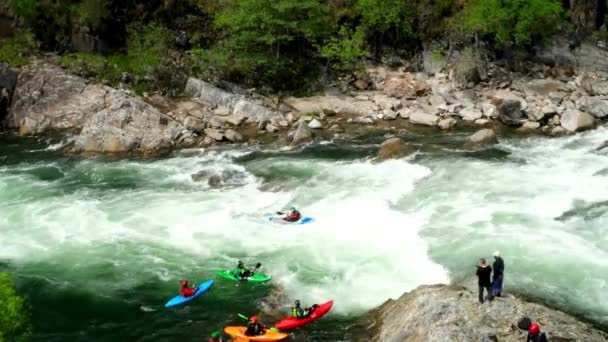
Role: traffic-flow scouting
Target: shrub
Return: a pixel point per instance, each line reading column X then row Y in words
column 344, row 51
column 16, row 50
column 14, row 311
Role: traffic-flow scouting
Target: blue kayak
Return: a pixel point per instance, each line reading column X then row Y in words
column 178, row 300
column 279, row 220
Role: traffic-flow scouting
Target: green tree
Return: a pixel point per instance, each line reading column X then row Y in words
column 147, row 46
column 382, row 17
column 14, row 312
column 346, row 49
column 26, row 9
column 513, row 22
column 268, row 41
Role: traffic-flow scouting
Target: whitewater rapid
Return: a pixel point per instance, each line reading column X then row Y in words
column 381, row 229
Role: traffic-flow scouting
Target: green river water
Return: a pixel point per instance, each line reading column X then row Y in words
column 98, row 245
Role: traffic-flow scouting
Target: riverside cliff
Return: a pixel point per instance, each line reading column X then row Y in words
column 452, row 313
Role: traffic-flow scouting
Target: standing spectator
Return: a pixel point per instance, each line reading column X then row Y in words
column 484, row 273
column 497, row 278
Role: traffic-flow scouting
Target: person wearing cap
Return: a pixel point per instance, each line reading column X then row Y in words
column 254, row 328
column 186, row 291
column 498, row 276
column 535, row 335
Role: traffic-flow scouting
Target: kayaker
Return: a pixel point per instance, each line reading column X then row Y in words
column 186, row 291
column 298, row 312
column 254, row 328
column 293, row 215
column 535, row 335
column 242, row 273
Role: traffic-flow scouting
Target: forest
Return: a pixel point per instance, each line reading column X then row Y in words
column 278, row 45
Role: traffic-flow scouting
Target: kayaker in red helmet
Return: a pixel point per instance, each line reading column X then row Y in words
column 292, row 216
column 535, row 335
column 254, row 328
column 186, row 291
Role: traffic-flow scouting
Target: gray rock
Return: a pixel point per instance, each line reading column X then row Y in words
column 574, row 120
column 404, row 113
column 470, row 114
column 389, row 114
column 194, row 124
column 585, row 82
column 211, row 94
column 557, row 131
column 270, row 128
column 363, row 120
column 509, row 112
column 235, row 120
column 481, row 122
column 531, row 125
column 386, row 102
column 315, row 124
column 489, row 110
column 221, row 111
column 233, row 136
column 543, row 87
column 303, row 133
column 393, row 148
column 480, row 138
column 8, row 80
column 597, row 107
column 420, row 118
column 448, row 123
column 452, row 313
column 405, row 85
column 214, row 134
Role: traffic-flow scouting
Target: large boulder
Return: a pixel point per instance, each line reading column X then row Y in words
column 509, row 112
column 393, row 148
column 105, row 120
column 467, row 70
column 597, row 106
column 420, row 118
column 405, row 85
column 127, row 124
column 452, row 313
column 8, row 80
column 331, row 104
column 544, row 87
column 575, row 120
column 49, row 99
column 470, row 114
column 480, row 138
column 303, row 133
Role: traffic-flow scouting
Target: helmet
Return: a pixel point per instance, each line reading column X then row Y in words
column 534, row 328
column 184, row 283
column 496, row 254
column 292, row 209
column 297, row 302
column 253, row 319
column 241, row 263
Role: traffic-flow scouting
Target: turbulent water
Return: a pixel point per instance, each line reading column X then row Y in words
column 99, row 245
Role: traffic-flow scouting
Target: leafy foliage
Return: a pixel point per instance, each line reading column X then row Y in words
column 147, row 46
column 14, row 311
column 344, row 51
column 514, row 22
column 16, row 50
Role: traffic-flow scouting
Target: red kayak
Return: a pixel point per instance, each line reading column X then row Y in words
column 292, row 322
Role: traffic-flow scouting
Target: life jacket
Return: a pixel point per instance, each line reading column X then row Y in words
column 297, row 312
column 186, row 291
column 294, row 216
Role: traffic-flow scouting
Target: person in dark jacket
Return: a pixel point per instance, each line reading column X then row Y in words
column 498, row 276
column 535, row 335
column 484, row 272
column 254, row 328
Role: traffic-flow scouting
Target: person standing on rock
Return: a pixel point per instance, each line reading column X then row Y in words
column 498, row 276
column 484, row 272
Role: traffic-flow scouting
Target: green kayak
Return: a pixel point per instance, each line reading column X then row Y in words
column 256, row 277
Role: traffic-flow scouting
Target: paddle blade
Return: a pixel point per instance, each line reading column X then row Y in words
column 258, row 265
column 243, row 317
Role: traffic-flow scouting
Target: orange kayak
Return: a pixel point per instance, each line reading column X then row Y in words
column 269, row 335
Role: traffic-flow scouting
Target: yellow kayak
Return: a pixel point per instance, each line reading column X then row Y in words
column 269, row 335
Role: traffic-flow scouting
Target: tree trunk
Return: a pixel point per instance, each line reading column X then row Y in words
column 585, row 14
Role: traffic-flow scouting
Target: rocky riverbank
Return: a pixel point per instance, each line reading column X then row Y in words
column 452, row 313
column 44, row 98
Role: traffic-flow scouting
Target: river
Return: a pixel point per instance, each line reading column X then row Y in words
column 98, row 245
